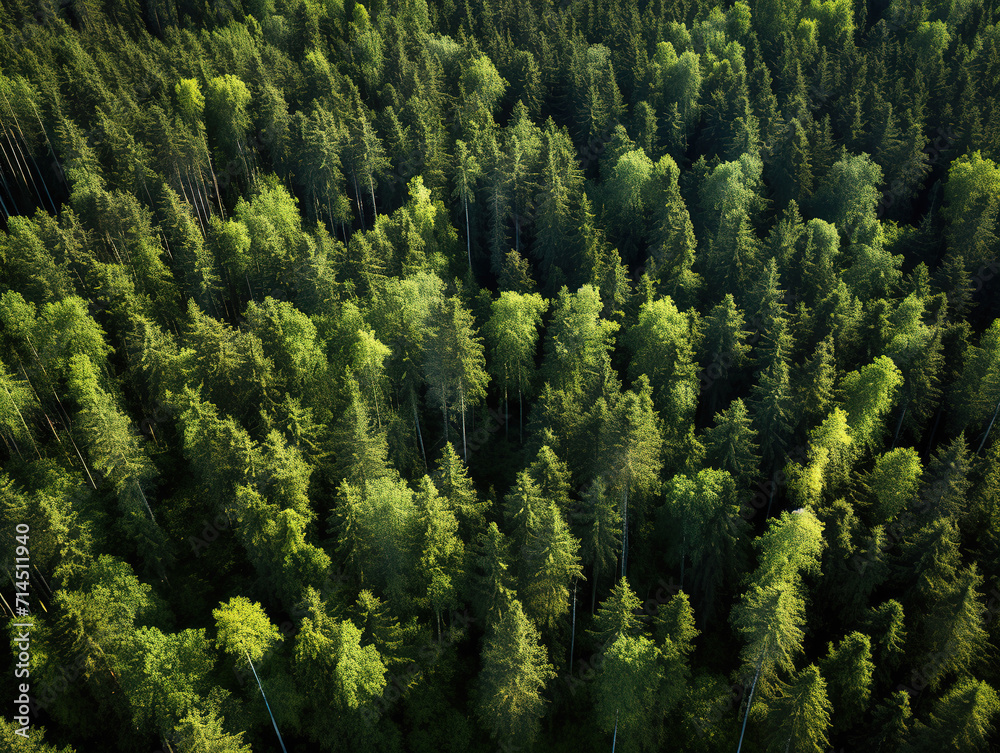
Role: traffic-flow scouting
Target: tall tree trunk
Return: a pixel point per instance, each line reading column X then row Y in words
column 899, row 425
column 625, row 532
column 468, row 238
column 465, row 449
column 27, row 431
column 572, row 635
column 520, row 409
column 357, row 196
column 593, row 589
column 760, row 663
column 989, row 428
column 276, row 730
column 420, row 436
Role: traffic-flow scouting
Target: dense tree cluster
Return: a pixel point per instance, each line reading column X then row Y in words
column 439, row 376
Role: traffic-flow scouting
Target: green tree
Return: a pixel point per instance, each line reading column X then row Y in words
column 962, row 719
column 243, row 629
column 731, row 444
column 800, row 716
column 626, row 692
column 468, row 172
column 893, row 483
column 512, row 334
column 509, row 700
column 848, row 669
column 869, row 394
column 443, row 553
column 454, row 364
column 600, row 525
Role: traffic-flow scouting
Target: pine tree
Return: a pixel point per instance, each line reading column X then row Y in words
column 454, row 363
column 515, row 671
column 848, row 670
column 512, row 335
column 800, row 717
column 731, row 445
column 962, row 719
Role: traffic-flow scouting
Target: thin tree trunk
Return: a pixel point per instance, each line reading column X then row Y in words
column 416, row 420
column 13, row 200
column 520, row 408
column 267, row 704
column 760, row 663
column 899, row 425
column 34, row 185
column 572, row 635
column 27, row 431
column 625, row 532
column 468, row 238
column 989, row 428
column 593, row 589
column 357, row 196
column 465, row 448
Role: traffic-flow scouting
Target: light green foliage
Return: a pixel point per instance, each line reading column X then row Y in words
column 617, row 615
column 869, row 395
column 377, row 529
column 512, row 335
column 771, row 614
column 578, row 342
column 962, row 719
column 828, row 460
column 243, row 629
column 893, row 482
column 336, row 669
column 204, row 733
column 626, row 691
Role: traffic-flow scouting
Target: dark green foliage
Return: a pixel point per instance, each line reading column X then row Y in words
column 277, row 279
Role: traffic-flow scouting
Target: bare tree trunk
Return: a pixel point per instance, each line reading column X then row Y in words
column 416, row 420
column 899, row 425
column 27, row 431
column 760, row 662
column 989, row 428
column 468, row 238
column 593, row 588
column 357, row 196
column 465, row 449
column 625, row 533
column 572, row 635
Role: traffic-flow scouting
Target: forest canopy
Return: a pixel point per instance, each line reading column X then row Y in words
column 440, row 376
